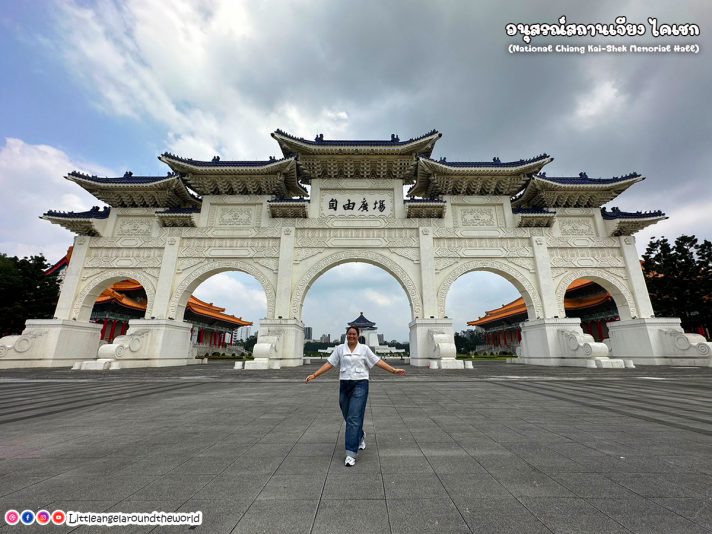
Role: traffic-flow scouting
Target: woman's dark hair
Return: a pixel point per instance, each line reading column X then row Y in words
column 358, row 330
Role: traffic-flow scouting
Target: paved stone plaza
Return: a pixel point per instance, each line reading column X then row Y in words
column 501, row 448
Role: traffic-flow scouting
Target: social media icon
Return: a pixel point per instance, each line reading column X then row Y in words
column 43, row 517
column 12, row 517
column 58, row 517
column 27, row 517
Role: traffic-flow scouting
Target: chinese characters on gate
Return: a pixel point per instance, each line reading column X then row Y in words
column 373, row 203
column 379, row 205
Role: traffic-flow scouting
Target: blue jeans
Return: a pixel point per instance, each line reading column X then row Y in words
column 353, row 395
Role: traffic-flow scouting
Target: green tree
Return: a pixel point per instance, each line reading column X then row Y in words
column 679, row 279
column 250, row 342
column 25, row 292
column 467, row 341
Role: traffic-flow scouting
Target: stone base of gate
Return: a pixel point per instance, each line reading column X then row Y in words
column 147, row 343
column 658, row 341
column 562, row 342
column 50, row 343
column 280, row 343
column 432, row 344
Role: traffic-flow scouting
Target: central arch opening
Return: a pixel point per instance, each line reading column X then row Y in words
column 344, row 292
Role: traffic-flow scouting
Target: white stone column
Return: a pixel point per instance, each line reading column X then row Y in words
column 427, row 273
column 280, row 342
column 150, row 343
column 541, row 344
column 70, row 287
column 645, row 339
column 641, row 297
column 55, row 342
column 166, row 277
column 432, row 344
column 432, row 339
column 553, row 339
column 284, row 275
column 658, row 341
column 542, row 267
column 50, row 343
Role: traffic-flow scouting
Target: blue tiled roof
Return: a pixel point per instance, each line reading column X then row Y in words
column 615, row 213
column 217, row 162
column 424, row 201
column 494, row 163
column 532, row 211
column 362, row 322
column 179, row 211
column 394, row 141
column 94, row 213
column 127, row 178
column 583, row 179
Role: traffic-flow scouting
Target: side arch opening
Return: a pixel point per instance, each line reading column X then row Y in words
column 617, row 289
column 224, row 309
column 593, row 304
column 487, row 311
column 113, row 302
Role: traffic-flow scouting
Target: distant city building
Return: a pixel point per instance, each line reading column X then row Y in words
column 308, row 333
column 325, row 338
column 243, row 333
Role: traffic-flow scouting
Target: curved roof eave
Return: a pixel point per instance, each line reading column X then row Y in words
column 187, row 165
column 487, row 168
column 292, row 145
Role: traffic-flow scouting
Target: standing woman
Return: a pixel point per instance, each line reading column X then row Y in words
column 354, row 361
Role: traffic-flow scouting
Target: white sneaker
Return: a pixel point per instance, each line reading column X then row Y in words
column 350, row 461
column 362, row 445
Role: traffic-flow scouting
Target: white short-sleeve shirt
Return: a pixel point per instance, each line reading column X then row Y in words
column 353, row 365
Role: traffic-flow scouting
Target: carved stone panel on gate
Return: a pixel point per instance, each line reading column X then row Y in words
column 133, row 226
column 233, row 216
column 479, row 216
column 577, row 226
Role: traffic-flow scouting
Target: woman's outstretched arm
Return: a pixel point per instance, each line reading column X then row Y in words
column 383, row 365
column 323, row 369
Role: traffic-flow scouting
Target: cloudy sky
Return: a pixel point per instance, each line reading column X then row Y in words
column 104, row 87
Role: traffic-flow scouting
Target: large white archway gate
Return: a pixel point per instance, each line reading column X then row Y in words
column 171, row 232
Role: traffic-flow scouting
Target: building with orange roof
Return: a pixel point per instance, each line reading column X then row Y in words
column 126, row 300
column 584, row 299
